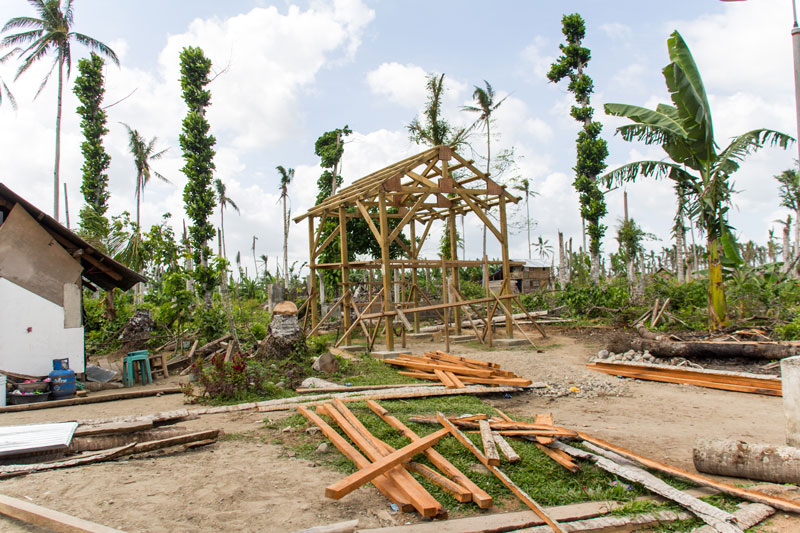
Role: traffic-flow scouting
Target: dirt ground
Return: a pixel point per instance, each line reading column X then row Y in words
column 245, row 483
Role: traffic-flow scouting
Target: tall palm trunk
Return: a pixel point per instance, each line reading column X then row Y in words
column 718, row 309
column 285, row 246
column 58, row 135
column 224, row 249
column 680, row 262
column 488, row 169
column 787, row 246
column 528, row 214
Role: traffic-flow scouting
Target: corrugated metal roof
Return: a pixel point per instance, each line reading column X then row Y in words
column 35, row 437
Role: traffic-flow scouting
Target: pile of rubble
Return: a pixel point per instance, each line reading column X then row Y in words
column 633, row 356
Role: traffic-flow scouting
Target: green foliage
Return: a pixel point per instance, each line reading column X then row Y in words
column 239, row 380
column 198, row 152
column 591, row 149
column 90, row 89
column 435, row 130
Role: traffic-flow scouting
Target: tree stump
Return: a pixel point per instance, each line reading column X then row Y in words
column 137, row 331
column 286, row 341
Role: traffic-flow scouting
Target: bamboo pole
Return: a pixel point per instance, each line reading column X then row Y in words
column 451, row 222
column 446, row 309
column 414, row 279
column 489, row 325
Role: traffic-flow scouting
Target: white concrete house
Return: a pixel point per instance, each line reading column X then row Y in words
column 43, row 267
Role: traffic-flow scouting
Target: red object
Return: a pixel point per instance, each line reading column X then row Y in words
column 29, row 329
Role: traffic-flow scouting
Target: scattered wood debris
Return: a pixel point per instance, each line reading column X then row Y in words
column 48, row 518
column 715, row 379
column 124, row 395
column 454, row 371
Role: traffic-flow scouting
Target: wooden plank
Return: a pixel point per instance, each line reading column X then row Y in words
column 385, row 485
column 105, row 455
column 192, row 350
column 404, row 319
column 454, row 489
column 358, row 388
column 502, row 415
column 48, row 518
column 460, row 370
column 559, row 457
column 229, row 352
column 721, row 520
column 105, row 429
column 746, row 494
column 456, row 380
column 511, row 382
column 508, row 452
column 350, row 526
column 524, row 497
column 375, row 449
column 489, row 446
column 345, row 486
column 718, row 376
column 479, row 496
column 547, row 420
column 91, row 399
column 444, row 378
column 144, row 447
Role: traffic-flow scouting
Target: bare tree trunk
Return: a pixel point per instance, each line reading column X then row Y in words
column 227, row 299
column 285, row 246
column 787, row 250
column 56, row 191
column 778, row 464
column 595, row 271
column 336, row 165
column 562, row 261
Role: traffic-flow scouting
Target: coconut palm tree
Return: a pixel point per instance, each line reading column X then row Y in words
column 3, row 87
column 790, row 197
column 287, row 175
column 486, row 106
column 524, row 186
column 543, row 247
column 224, row 201
column 143, row 153
column 686, row 133
column 51, row 32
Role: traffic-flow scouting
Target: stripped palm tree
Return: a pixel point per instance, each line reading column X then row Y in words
column 50, row 32
column 524, row 186
column 224, row 201
column 486, row 106
column 286, row 178
column 143, row 153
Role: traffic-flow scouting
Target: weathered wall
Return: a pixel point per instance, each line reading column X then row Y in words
column 32, row 259
column 31, row 351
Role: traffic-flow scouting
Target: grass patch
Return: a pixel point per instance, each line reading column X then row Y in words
column 368, row 371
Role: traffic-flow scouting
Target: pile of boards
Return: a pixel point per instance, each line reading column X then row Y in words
column 454, row 371
column 389, row 469
column 713, row 379
column 95, row 441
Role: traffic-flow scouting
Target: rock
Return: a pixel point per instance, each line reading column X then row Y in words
column 323, row 448
column 288, row 429
column 603, row 354
column 290, row 453
column 326, row 363
column 285, row 308
column 313, row 430
column 317, row 383
column 280, row 385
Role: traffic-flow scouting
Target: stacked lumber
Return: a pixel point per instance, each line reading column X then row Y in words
column 454, row 372
column 731, row 381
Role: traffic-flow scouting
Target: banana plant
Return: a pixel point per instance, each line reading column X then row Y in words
column 685, row 131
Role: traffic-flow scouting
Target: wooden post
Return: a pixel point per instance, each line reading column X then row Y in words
column 312, row 261
column 386, row 270
column 414, row 280
column 506, row 266
column 451, row 222
column 488, row 295
column 345, row 272
column 790, row 376
column 446, row 309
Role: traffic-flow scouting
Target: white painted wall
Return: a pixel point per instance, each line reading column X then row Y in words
column 32, row 352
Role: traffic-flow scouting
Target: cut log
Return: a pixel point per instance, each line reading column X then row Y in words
column 714, row 349
column 721, row 521
column 91, row 399
column 732, row 458
column 108, row 429
column 144, row 447
column 106, row 455
column 479, row 496
column 48, row 518
column 746, row 494
column 103, row 442
column 518, row 492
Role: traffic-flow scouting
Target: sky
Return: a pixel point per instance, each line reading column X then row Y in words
column 287, row 71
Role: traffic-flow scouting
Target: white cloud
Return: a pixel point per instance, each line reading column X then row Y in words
column 617, row 30
column 401, row 84
column 536, row 62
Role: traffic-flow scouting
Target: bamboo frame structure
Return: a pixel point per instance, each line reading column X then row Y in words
column 417, row 190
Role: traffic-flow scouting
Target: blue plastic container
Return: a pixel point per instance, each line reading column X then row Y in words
column 62, row 379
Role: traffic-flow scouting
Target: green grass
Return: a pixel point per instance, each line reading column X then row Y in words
column 368, row 371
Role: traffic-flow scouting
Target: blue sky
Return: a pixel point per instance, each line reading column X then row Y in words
column 297, row 69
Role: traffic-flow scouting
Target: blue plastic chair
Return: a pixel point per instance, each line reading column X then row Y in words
column 141, row 357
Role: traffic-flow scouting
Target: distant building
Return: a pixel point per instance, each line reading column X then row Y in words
column 526, row 276
column 43, row 267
